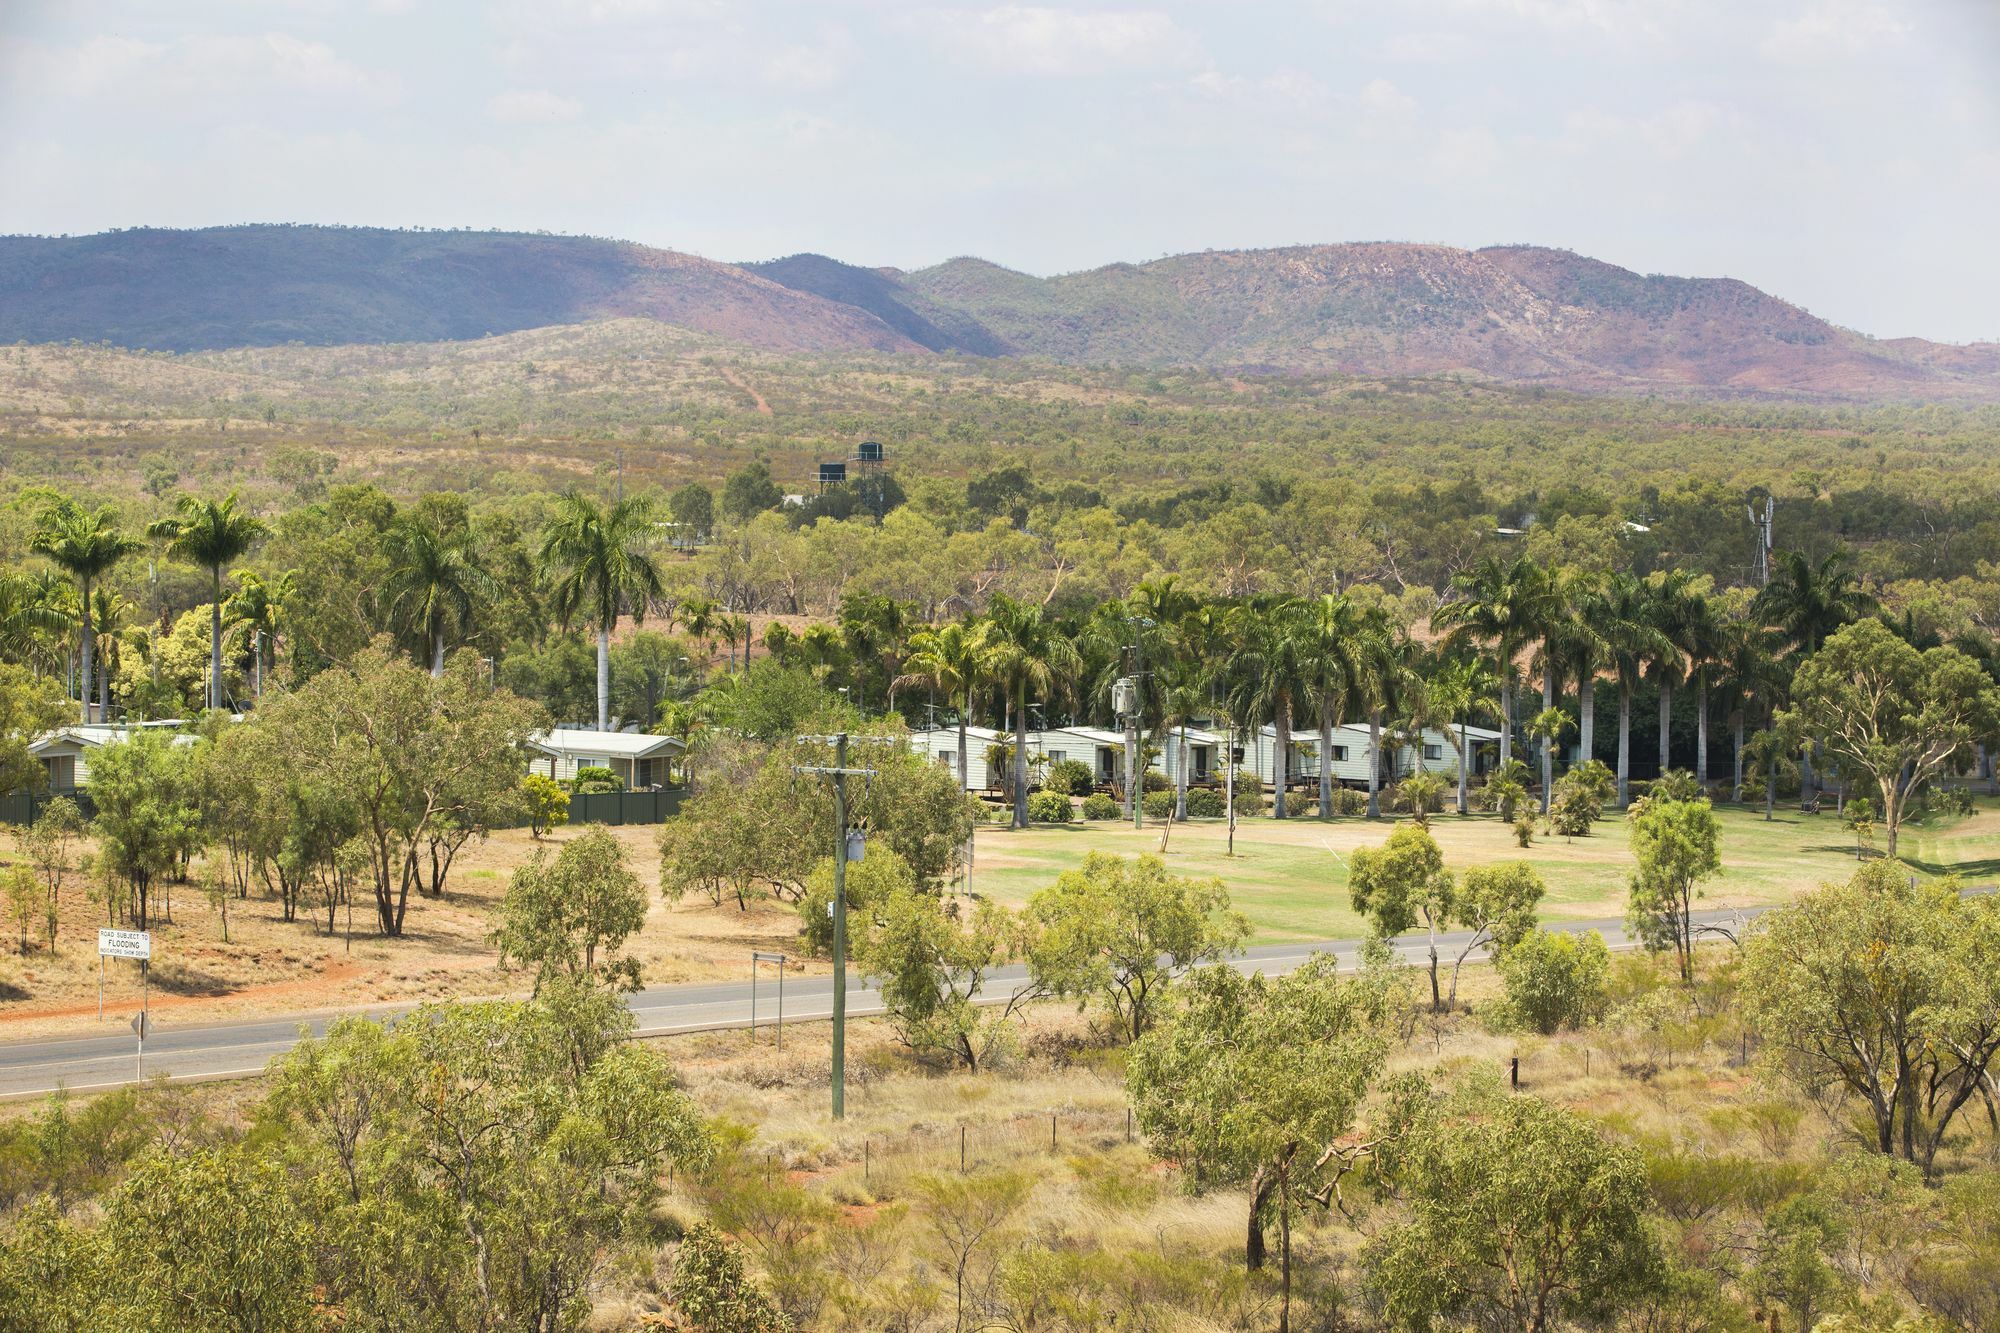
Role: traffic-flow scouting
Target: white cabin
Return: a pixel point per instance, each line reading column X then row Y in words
column 1438, row 754
column 639, row 759
column 940, row 745
column 1103, row 750
column 65, row 752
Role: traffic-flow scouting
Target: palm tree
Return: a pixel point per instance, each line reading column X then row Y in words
column 1631, row 641
column 1387, row 682
column 111, row 615
column 1747, row 670
column 599, row 566
column 435, row 581
column 1329, row 632
column 957, row 661
column 84, row 544
column 1030, row 653
column 27, row 618
column 1458, row 687
column 1808, row 602
column 259, row 607
column 1501, row 608
column 1555, row 625
column 1675, row 608
column 211, row 534
column 1272, row 680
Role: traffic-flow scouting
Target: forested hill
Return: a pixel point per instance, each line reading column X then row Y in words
column 1515, row 314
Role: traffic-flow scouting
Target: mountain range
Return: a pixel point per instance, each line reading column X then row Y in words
column 1514, row 314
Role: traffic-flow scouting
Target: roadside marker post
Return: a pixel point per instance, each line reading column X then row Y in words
column 137, row 945
column 756, row 957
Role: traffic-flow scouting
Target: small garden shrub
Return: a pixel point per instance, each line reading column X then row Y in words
column 1347, row 801
column 1297, row 803
column 1155, row 780
column 1206, row 803
column 1556, row 979
column 1099, row 806
column 1068, row 776
column 1050, row 807
column 1158, row 804
column 594, row 779
column 1422, row 794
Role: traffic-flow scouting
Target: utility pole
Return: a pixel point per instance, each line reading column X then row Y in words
column 840, row 773
column 1761, row 569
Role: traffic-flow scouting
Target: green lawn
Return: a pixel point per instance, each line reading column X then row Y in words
column 1290, row 877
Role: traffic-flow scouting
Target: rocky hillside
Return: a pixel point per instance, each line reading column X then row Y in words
column 1515, row 314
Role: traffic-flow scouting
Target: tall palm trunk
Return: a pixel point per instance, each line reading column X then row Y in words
column 604, row 677
column 437, row 650
column 1701, row 731
column 1021, row 758
column 1736, row 788
column 1666, row 723
column 1181, row 777
column 1464, row 763
column 1506, row 711
column 1325, row 761
column 215, row 640
column 1375, row 763
column 1586, row 713
column 964, row 773
column 1281, row 735
column 1548, row 742
column 104, row 691
column 89, row 647
column 1624, row 741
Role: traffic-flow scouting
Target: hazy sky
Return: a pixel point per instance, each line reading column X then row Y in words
column 1844, row 154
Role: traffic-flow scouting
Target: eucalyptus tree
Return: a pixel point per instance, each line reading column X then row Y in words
column 600, row 566
column 211, row 534
column 86, row 545
column 958, row 661
column 1031, row 652
column 1500, row 606
column 435, row 581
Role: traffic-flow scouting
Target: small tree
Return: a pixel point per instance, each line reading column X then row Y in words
column 1891, row 714
column 967, row 1214
column 1884, row 991
column 1518, row 1215
column 146, row 814
column 560, row 913
column 50, row 845
column 547, row 803
column 1118, row 931
column 24, row 900
column 1255, row 1082
column 1496, row 903
column 1675, row 845
column 1401, row 883
column 710, row 1287
column 1555, row 979
column 932, row 962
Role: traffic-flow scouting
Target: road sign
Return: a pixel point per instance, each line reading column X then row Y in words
column 125, row 943
column 141, row 1024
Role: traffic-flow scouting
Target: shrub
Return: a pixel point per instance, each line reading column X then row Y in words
column 1555, row 979
column 1575, row 804
column 1050, row 807
column 1524, row 829
column 1676, row 785
column 547, row 803
column 1158, row 804
column 1067, row 776
column 1422, row 794
column 1297, row 803
column 1099, row 806
column 1154, row 780
column 1347, row 801
column 1206, row 803
column 596, row 779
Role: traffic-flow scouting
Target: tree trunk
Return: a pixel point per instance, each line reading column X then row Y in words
column 1701, row 731
column 104, row 690
column 1229, row 786
column 1181, row 785
column 1548, row 742
column 1281, row 754
column 89, row 647
column 437, row 655
column 1261, row 1185
column 1666, row 724
column 1624, row 742
column 1506, row 712
column 1326, row 761
column 1464, row 763
column 964, row 773
column 604, row 678
column 1375, row 763
column 1586, row 714
column 1736, row 792
column 1021, row 758
column 215, row 642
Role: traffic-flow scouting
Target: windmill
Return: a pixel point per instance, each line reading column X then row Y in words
column 1761, row 568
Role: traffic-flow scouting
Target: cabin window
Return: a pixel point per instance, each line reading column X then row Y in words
column 1433, row 752
column 1057, row 756
column 1340, row 754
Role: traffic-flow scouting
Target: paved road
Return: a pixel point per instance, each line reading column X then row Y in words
column 237, row 1050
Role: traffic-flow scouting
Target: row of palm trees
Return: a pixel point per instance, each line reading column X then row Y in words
column 1327, row 661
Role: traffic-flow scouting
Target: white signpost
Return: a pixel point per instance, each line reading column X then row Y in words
column 137, row 945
